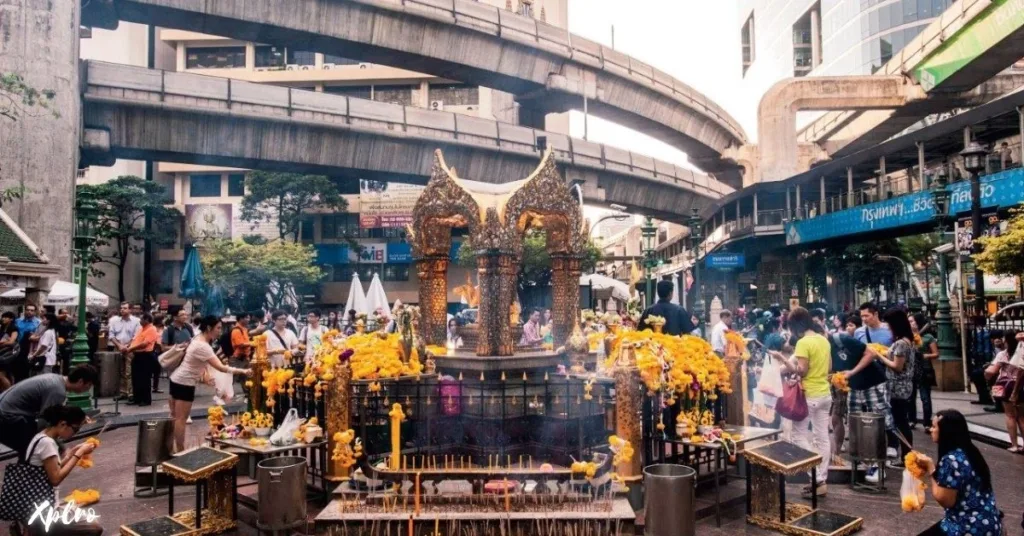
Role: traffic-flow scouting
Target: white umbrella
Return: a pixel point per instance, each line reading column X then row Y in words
column 356, row 297
column 598, row 282
column 375, row 296
column 675, row 289
column 63, row 294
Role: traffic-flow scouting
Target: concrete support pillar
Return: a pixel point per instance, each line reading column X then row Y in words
column 1020, row 132
column 815, row 38
column 849, row 187
column 967, row 136
column 737, row 211
column 250, row 56
column 920, row 165
column 883, row 178
column 755, row 209
column 39, row 152
column 822, row 209
column 424, row 94
column 789, row 208
column 799, row 203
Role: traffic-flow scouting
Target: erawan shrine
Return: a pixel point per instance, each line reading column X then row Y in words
column 601, row 429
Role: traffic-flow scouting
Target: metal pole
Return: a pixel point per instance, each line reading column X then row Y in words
column 979, row 275
column 920, row 165
column 849, row 187
column 755, row 209
column 80, row 349
column 822, row 210
column 586, row 117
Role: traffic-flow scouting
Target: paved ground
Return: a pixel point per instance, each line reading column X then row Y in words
column 114, row 460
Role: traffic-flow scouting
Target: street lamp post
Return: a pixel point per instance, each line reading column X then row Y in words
column 943, row 318
column 85, row 221
column 650, row 262
column 695, row 224
column 974, row 162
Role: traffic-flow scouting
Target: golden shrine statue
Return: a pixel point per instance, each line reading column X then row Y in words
column 497, row 217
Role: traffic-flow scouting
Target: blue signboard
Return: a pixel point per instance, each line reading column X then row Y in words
column 999, row 190
column 399, row 253
column 722, row 261
column 331, row 254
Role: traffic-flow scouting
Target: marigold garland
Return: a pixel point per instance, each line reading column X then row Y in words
column 379, row 355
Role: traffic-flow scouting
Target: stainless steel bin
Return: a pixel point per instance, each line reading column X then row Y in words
column 110, row 373
column 669, row 500
column 282, row 493
column 154, row 442
column 867, row 436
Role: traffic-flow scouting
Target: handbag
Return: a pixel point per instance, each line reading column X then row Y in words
column 793, row 404
column 1004, row 387
column 171, row 359
column 25, row 486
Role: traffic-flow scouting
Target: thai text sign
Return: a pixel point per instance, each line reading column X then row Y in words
column 724, row 260
column 386, row 204
column 1002, row 189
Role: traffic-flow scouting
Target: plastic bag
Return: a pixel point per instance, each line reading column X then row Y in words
column 762, row 407
column 285, row 434
column 771, row 378
column 911, row 493
column 224, row 384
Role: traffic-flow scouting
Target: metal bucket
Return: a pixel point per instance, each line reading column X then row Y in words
column 669, row 500
column 282, row 493
column 109, row 383
column 153, row 445
column 867, row 436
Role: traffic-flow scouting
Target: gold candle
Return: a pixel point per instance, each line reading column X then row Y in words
column 397, row 415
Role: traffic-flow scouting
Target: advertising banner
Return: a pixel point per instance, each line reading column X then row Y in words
column 999, row 190
column 386, row 204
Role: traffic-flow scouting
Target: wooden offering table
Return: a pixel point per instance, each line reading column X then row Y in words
column 216, row 508
column 766, row 494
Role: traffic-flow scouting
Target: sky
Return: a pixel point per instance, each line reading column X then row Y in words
column 696, row 41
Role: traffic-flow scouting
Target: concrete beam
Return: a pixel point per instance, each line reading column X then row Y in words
column 474, row 43
column 776, row 128
column 145, row 111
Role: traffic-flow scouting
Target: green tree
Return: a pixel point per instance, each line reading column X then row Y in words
column 285, row 198
column 1004, row 254
column 258, row 275
column 535, row 269
column 917, row 251
column 17, row 97
column 121, row 206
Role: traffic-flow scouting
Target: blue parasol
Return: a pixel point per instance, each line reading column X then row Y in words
column 192, row 284
column 214, row 304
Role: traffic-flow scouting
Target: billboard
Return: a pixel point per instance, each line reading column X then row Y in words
column 203, row 222
column 386, row 204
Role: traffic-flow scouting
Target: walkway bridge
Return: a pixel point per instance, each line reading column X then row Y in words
column 143, row 114
column 547, row 68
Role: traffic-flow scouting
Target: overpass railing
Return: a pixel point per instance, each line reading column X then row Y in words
column 109, row 82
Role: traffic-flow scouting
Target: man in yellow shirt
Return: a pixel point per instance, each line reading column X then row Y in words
column 812, row 360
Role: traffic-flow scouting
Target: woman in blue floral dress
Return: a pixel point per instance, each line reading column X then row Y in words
column 961, row 481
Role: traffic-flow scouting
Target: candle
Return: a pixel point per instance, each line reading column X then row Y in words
column 520, row 461
column 397, row 415
column 508, row 506
column 417, row 500
column 410, row 527
column 437, row 526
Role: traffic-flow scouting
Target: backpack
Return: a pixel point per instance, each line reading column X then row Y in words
column 225, row 342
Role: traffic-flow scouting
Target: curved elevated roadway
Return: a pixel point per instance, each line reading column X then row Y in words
column 547, row 68
column 138, row 113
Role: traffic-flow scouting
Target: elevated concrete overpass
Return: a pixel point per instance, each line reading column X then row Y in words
column 547, row 68
column 956, row 59
column 138, row 113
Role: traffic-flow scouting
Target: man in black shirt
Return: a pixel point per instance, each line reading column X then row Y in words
column 92, row 334
column 677, row 319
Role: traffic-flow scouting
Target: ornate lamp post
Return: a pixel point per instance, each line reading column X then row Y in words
column 647, row 232
column 974, row 162
column 943, row 319
column 695, row 224
column 85, row 224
